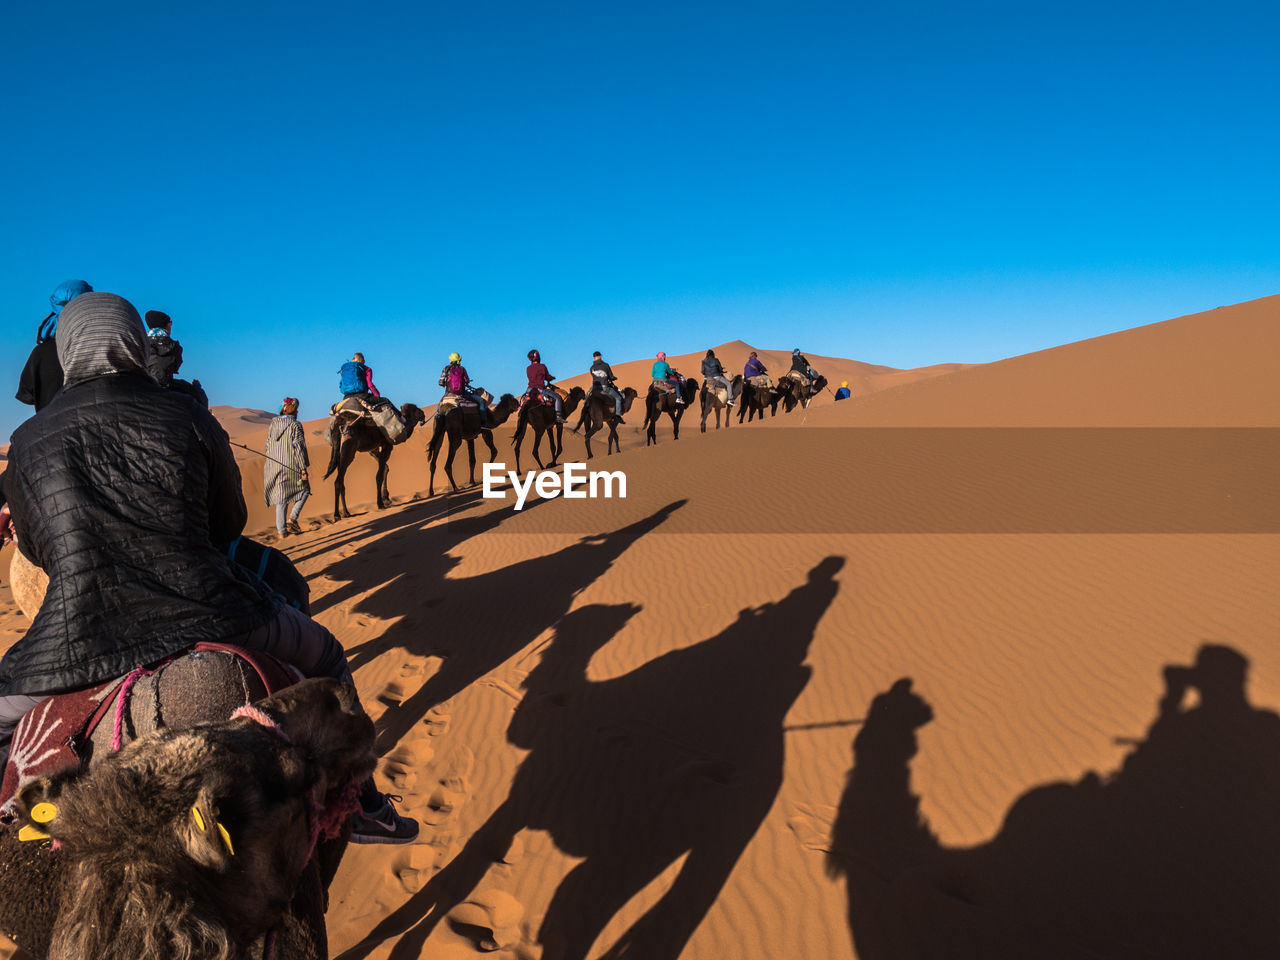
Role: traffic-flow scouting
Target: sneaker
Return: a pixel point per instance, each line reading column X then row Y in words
column 383, row 826
column 619, row 420
column 295, row 528
column 561, row 421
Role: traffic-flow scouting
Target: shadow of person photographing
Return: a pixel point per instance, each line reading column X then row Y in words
column 1172, row 856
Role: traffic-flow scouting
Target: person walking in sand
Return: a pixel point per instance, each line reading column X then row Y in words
column 285, row 480
column 843, row 392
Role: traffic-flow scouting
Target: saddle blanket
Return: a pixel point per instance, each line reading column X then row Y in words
column 48, row 736
column 761, row 382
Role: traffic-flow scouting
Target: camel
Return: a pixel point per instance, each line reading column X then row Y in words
column 463, row 423
column 597, row 413
column 363, row 435
column 711, row 401
column 198, row 842
column 543, row 420
column 797, row 391
column 756, row 399
column 657, row 402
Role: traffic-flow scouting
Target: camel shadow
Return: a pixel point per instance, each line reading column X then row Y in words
column 681, row 757
column 1173, row 856
column 477, row 623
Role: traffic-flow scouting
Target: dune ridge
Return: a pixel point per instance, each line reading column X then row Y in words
column 641, row 733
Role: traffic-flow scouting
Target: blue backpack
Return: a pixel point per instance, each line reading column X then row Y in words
column 352, row 378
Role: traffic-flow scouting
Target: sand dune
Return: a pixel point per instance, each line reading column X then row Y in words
column 628, row 726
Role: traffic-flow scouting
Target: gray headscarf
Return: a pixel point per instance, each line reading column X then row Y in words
column 100, row 333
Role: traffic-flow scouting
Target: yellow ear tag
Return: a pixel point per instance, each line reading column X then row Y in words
column 29, row 832
column 195, row 815
column 44, row 812
column 226, row 839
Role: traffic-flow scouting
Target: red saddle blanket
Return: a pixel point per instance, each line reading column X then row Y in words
column 47, row 738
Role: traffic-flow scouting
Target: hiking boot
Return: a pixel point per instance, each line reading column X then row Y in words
column 384, row 825
column 295, row 528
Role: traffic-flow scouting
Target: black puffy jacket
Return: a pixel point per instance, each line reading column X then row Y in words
column 42, row 376
column 165, row 360
column 119, row 489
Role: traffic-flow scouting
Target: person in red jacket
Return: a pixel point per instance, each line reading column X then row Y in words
column 540, row 380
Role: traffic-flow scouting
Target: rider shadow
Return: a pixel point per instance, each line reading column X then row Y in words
column 414, row 516
column 1173, row 856
column 681, row 757
column 492, row 616
column 384, row 560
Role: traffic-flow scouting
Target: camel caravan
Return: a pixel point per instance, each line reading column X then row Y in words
column 183, row 755
column 365, row 421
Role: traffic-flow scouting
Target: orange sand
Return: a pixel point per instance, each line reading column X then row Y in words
column 659, row 715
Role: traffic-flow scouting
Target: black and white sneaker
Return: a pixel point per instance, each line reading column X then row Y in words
column 383, row 825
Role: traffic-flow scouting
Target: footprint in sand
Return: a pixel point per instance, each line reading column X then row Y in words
column 812, row 828
column 404, row 764
column 392, row 695
column 415, row 668
column 490, row 920
column 415, row 865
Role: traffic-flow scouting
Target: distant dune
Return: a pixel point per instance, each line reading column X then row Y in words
column 831, row 693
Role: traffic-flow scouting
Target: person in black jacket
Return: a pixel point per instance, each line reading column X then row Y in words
column 603, row 379
column 800, row 365
column 166, row 357
column 42, row 376
column 711, row 370
column 119, row 490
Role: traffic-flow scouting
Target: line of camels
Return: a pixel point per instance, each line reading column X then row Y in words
column 462, row 423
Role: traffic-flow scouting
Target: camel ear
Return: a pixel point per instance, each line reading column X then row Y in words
column 206, row 840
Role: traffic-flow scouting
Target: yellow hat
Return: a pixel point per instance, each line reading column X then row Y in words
column 455, row 357
column 844, row 383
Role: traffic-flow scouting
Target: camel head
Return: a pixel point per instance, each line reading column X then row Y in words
column 890, row 729
column 191, row 842
column 412, row 414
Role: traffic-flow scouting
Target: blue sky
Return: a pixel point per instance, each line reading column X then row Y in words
column 898, row 183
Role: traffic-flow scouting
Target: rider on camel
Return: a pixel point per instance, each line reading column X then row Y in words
column 455, row 381
column 356, row 379
column 711, row 370
column 603, row 378
column 662, row 371
column 540, row 382
column 800, row 365
column 754, row 367
column 129, row 546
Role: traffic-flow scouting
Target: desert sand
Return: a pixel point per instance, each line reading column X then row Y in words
column 627, row 727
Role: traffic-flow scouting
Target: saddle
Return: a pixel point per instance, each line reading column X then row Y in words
column 717, row 390
column 761, row 382
column 663, row 386
column 359, row 407
column 57, row 732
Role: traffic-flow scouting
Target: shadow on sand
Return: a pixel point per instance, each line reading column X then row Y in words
column 681, row 756
column 1174, row 856
column 474, row 623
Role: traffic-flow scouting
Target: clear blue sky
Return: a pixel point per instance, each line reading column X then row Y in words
column 898, row 183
